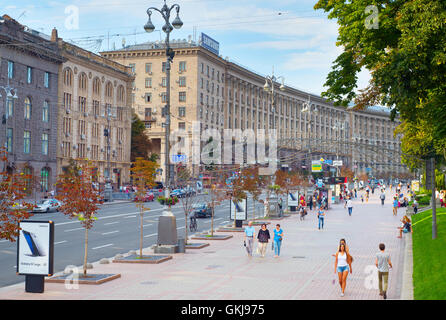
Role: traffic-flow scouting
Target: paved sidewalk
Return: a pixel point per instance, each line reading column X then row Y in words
column 223, row 271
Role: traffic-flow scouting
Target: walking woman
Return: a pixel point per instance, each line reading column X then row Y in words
column 263, row 238
column 278, row 236
column 321, row 216
column 342, row 267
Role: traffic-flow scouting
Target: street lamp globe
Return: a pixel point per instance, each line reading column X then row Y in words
column 266, row 87
column 167, row 28
column 149, row 27
column 177, row 23
column 282, row 87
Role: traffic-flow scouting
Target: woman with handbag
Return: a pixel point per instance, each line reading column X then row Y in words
column 278, row 236
column 343, row 266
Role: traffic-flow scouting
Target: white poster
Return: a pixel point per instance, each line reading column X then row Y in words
column 238, row 210
column 35, row 248
column 293, row 198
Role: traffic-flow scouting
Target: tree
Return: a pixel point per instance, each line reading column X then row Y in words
column 143, row 173
column 347, row 172
column 253, row 185
column 405, row 54
column 188, row 202
column 141, row 144
column 79, row 198
column 12, row 207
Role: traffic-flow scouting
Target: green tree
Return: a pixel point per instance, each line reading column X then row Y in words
column 141, row 144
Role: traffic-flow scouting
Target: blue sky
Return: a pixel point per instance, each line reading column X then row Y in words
column 287, row 34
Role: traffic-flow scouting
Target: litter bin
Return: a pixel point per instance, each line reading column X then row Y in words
column 181, row 245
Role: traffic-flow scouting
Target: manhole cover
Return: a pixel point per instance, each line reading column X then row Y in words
column 298, row 257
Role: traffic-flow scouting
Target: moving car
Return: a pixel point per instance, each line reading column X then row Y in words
column 47, row 205
column 179, row 193
column 149, row 196
column 202, row 210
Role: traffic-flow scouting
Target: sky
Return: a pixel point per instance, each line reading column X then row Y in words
column 287, row 35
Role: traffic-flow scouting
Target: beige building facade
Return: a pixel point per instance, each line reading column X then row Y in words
column 221, row 94
column 94, row 119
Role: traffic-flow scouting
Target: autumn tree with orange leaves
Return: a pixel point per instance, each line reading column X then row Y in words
column 12, row 207
column 143, row 174
column 79, row 198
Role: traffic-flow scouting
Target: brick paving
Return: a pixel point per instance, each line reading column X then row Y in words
column 223, row 271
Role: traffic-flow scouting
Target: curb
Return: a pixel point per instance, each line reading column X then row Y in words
column 407, row 287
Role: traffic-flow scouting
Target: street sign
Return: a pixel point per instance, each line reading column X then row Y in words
column 316, row 166
column 337, row 163
column 328, row 161
column 178, row 158
column 238, row 210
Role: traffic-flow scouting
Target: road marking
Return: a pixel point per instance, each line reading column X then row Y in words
column 60, row 242
column 146, row 225
column 109, row 223
column 181, row 227
column 106, row 245
column 129, row 217
column 150, row 235
column 105, row 233
column 73, row 229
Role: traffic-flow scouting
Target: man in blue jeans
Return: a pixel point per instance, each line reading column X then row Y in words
column 350, row 206
column 249, row 238
column 321, row 215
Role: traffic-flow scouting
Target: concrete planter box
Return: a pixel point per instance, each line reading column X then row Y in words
column 149, row 259
column 196, row 245
column 89, row 279
column 214, row 237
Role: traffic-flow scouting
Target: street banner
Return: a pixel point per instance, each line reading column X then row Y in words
column 337, row 163
column 35, row 248
column 316, row 166
column 293, row 198
column 415, row 185
column 239, row 210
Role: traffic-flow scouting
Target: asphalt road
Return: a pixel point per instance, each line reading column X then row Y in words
column 117, row 230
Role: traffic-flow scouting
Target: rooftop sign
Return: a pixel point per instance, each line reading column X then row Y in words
column 209, row 44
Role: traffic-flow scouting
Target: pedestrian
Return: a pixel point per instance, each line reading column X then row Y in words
column 342, row 267
column 310, row 203
column 321, row 216
column 362, row 198
column 249, row 238
column 415, row 206
column 356, row 194
column 342, row 241
column 350, row 206
column 382, row 197
column 383, row 263
column 278, row 237
column 263, row 238
column 395, row 206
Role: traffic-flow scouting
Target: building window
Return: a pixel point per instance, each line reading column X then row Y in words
column 45, row 143
column 182, row 96
column 10, row 69
column 148, row 113
column 45, row 112
column 9, row 140
column 9, row 107
column 164, row 97
column 148, row 97
column 46, row 80
column 164, row 82
column 82, row 104
column 29, row 75
column 182, row 82
column 44, row 179
column 148, row 83
column 27, row 108
column 148, row 68
column 163, row 68
column 133, row 67
column 181, row 125
column 182, row 66
column 68, row 77
column 182, row 111
column 27, row 141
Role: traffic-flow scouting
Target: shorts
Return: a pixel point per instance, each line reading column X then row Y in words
column 342, row 269
column 405, row 230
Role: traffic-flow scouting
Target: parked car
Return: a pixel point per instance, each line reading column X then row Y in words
column 202, row 210
column 179, row 193
column 149, row 196
column 47, row 205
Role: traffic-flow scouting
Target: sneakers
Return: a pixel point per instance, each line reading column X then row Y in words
column 384, row 295
column 342, row 294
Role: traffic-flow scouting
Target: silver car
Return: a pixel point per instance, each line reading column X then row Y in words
column 47, row 205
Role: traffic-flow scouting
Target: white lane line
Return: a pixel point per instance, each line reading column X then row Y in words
column 129, row 217
column 60, row 242
column 73, row 229
column 150, row 235
column 109, row 223
column 146, row 225
column 106, row 245
column 181, row 227
column 105, row 233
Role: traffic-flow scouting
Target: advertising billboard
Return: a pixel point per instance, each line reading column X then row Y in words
column 210, row 44
column 316, row 166
column 293, row 198
column 239, row 210
column 35, row 248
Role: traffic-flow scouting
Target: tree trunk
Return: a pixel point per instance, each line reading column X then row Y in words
column 85, row 251
column 141, row 231
column 185, row 237
column 212, row 220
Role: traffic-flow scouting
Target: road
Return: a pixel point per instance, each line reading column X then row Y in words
column 116, row 231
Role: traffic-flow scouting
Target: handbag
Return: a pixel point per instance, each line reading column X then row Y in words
column 349, row 259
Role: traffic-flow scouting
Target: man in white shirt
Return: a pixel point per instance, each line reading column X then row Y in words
column 350, row 206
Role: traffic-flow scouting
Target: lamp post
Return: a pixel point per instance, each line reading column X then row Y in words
column 10, row 97
column 108, row 188
column 269, row 87
column 165, row 12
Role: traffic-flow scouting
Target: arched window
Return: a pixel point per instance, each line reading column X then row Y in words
column 28, row 172
column 83, row 82
column 46, row 111
column 68, row 77
column 27, row 108
column 109, row 90
column 121, row 94
column 96, row 86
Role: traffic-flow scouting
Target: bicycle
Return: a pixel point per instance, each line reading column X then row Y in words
column 193, row 224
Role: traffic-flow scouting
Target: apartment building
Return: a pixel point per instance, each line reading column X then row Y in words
column 222, row 94
column 29, row 70
column 94, row 119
